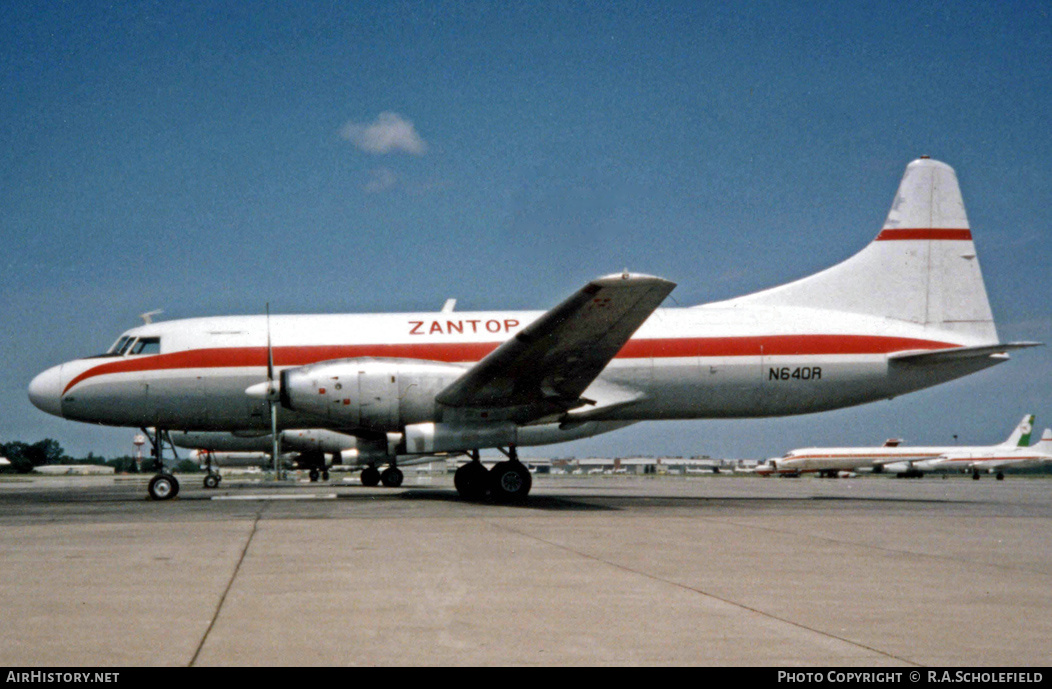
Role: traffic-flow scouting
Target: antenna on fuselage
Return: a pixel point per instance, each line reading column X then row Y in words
column 147, row 317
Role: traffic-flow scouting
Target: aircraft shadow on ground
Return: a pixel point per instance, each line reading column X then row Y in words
column 534, row 502
column 549, row 503
column 624, row 502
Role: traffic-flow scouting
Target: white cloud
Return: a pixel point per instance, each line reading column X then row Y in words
column 380, row 180
column 388, row 134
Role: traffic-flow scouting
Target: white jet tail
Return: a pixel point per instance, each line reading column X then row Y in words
column 1044, row 445
column 1021, row 435
column 921, row 268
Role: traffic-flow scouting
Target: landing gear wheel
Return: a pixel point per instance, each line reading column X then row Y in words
column 212, row 481
column 471, row 481
column 163, row 487
column 510, row 482
column 391, row 477
column 975, row 475
column 314, row 474
column 370, row 476
column 1000, row 476
column 325, row 475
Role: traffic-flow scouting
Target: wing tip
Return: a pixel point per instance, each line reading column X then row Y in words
column 615, row 279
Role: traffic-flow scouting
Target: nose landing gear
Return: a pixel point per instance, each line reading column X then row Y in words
column 164, row 485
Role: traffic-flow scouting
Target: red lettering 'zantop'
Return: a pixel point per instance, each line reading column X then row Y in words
column 462, row 327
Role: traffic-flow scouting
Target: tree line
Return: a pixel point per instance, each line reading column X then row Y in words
column 25, row 457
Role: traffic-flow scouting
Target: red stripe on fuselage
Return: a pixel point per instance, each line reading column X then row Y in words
column 925, row 233
column 471, row 352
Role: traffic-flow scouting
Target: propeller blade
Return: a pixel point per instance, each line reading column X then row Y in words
column 272, row 400
column 270, row 350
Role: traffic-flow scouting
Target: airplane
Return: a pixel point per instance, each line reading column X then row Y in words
column 906, row 312
column 892, row 456
column 316, row 450
column 992, row 460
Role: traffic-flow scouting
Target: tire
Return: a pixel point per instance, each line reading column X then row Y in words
column 163, row 487
column 370, row 477
column 392, row 477
column 212, row 481
column 510, row 482
column 471, row 481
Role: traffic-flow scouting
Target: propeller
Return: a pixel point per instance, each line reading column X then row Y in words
column 271, row 394
column 272, row 398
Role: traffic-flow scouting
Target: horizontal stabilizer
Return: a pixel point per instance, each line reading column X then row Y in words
column 957, row 353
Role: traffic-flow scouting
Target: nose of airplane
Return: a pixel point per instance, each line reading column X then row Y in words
column 45, row 391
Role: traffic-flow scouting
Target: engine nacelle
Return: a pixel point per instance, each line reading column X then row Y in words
column 316, row 440
column 377, row 394
column 439, row 437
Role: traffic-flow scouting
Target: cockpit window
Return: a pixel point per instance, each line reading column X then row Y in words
column 146, row 345
column 119, row 345
column 129, row 344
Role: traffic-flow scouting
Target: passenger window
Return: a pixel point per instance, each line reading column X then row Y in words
column 147, row 345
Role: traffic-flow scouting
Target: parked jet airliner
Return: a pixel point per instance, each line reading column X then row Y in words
column 901, row 459
column 993, row 460
column 907, row 312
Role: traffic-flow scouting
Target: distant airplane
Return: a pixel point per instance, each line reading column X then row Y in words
column 908, row 311
column 316, row 450
column 992, row 460
column 892, row 456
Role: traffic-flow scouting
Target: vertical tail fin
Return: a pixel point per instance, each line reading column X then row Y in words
column 1021, row 435
column 1045, row 444
column 921, row 267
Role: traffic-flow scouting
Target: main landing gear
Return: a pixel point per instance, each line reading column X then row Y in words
column 391, row 477
column 509, row 481
column 314, row 463
column 212, row 477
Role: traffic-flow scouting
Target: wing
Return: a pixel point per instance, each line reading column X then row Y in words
column 907, row 459
column 545, row 367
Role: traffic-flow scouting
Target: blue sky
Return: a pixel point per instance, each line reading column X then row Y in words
column 207, row 158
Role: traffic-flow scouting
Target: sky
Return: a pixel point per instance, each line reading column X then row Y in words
column 209, row 158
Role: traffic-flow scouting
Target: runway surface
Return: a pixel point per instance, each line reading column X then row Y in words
column 708, row 570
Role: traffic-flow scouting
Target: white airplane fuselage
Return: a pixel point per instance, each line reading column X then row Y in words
column 986, row 459
column 891, row 456
column 685, row 363
column 890, row 459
